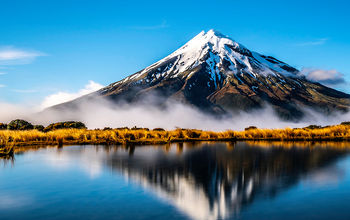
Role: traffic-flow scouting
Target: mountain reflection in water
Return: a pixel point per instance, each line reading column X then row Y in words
column 211, row 182
column 202, row 180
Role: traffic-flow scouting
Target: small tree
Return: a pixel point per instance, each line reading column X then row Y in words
column 65, row 125
column 19, row 124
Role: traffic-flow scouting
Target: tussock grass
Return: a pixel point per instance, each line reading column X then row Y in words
column 160, row 136
column 336, row 132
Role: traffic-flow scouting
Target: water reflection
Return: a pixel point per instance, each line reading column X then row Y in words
column 208, row 182
column 202, row 180
column 7, row 160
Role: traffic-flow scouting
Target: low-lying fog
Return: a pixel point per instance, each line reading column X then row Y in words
column 102, row 113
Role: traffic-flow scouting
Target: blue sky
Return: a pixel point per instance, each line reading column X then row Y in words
column 59, row 46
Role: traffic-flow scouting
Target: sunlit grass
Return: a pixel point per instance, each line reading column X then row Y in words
column 159, row 136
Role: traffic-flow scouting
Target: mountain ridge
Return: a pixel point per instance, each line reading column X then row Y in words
column 216, row 74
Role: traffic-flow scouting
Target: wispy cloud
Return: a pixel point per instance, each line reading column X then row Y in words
column 327, row 77
column 61, row 97
column 2, row 86
column 152, row 27
column 316, row 42
column 3, row 73
column 14, row 56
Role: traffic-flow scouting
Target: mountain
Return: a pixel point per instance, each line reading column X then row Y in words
column 215, row 74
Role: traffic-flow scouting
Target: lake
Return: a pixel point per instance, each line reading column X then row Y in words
column 202, row 180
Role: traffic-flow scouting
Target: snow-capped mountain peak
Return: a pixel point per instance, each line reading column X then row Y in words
column 217, row 74
column 222, row 56
column 213, row 40
column 195, row 51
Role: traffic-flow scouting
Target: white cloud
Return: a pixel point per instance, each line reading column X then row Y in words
column 61, row 97
column 313, row 43
column 88, row 160
column 13, row 56
column 327, row 77
column 1, row 86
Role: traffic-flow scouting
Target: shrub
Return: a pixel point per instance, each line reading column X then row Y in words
column 136, row 128
column 65, row 125
column 39, row 127
column 3, row 126
column 122, row 128
column 19, row 124
column 158, row 129
column 345, row 123
column 311, row 127
column 250, row 128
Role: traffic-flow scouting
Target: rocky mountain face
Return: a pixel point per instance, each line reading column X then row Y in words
column 218, row 75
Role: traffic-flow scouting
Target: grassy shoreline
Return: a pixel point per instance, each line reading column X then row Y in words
column 140, row 136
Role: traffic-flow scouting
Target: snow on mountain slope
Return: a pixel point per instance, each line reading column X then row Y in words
column 214, row 73
column 221, row 53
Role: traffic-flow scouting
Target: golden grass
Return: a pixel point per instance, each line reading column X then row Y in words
column 336, row 132
column 114, row 136
column 145, row 136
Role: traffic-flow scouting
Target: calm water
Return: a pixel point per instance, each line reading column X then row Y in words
column 178, row 181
